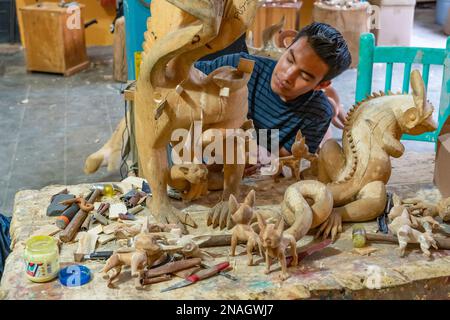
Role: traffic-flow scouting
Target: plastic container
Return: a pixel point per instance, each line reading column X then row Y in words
column 359, row 236
column 442, row 7
column 41, row 258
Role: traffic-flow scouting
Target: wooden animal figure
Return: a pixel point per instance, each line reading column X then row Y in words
column 242, row 216
column 146, row 252
column 402, row 226
column 299, row 151
column 190, row 179
column 275, row 243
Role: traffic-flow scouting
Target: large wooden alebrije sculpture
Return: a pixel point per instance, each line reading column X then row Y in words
column 172, row 94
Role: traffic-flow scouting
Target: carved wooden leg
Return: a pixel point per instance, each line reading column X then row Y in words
column 138, row 262
column 294, row 254
column 232, row 178
column 268, row 262
column 154, row 163
column 114, row 274
column 233, row 245
column 370, row 203
column 331, row 161
column 250, row 246
column 284, row 273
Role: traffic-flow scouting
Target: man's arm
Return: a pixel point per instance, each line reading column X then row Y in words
column 227, row 60
column 313, row 134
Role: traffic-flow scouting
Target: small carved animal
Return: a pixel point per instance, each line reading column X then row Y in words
column 242, row 216
column 147, row 252
column 402, row 227
column 275, row 244
column 190, row 179
column 299, row 151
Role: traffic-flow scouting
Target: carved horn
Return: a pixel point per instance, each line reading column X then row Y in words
column 269, row 33
column 419, row 93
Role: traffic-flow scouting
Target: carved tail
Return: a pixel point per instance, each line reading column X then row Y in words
column 296, row 211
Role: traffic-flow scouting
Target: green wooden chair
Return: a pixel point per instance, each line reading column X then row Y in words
column 370, row 54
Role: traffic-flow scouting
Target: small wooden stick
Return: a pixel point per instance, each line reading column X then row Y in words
column 172, row 267
column 156, row 279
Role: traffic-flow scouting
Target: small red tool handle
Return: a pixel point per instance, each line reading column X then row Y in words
column 206, row 273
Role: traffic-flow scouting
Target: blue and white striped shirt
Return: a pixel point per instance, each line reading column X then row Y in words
column 310, row 112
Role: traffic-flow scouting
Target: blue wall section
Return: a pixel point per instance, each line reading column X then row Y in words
column 136, row 15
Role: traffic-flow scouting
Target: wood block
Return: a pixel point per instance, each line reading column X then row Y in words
column 52, row 44
column 111, row 228
column 270, row 13
column 97, row 229
column 87, row 242
column 351, row 23
column 104, row 238
column 120, row 70
column 115, row 209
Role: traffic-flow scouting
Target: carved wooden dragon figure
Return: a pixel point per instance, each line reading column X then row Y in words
column 355, row 174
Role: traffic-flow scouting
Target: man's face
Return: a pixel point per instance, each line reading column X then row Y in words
column 298, row 71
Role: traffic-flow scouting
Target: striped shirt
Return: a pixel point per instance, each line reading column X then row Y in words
column 311, row 112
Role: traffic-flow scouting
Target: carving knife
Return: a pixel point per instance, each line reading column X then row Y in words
column 222, row 273
column 202, row 274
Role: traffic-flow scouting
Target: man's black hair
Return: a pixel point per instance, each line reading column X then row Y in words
column 329, row 44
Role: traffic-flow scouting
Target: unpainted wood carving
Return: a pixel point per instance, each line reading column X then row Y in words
column 145, row 253
column 275, row 243
column 242, row 215
column 402, row 226
column 357, row 172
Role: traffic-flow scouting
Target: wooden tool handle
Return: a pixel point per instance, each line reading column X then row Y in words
column 156, row 279
column 206, row 273
column 441, row 242
column 72, row 228
column 172, row 267
column 381, row 237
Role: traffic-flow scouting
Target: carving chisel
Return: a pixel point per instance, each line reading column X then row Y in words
column 202, row 274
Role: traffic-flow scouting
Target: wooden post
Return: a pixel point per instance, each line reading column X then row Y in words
column 350, row 22
column 120, row 70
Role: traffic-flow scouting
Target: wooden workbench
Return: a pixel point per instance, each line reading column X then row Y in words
column 334, row 272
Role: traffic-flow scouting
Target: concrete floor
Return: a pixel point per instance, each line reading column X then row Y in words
column 49, row 124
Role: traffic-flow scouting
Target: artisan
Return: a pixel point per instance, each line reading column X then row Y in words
column 288, row 94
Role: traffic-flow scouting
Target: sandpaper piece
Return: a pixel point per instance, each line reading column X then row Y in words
column 49, row 230
column 116, row 209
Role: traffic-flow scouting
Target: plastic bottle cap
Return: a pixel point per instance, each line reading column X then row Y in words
column 74, row 276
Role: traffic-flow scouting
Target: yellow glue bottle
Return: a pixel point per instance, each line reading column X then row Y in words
column 41, row 258
column 359, row 236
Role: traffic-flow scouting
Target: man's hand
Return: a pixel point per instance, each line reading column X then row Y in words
column 251, row 169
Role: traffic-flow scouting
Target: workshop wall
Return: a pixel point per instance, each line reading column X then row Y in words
column 97, row 34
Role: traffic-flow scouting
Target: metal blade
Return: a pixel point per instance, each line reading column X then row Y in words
column 178, row 285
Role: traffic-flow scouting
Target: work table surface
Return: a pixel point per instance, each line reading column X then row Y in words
column 334, row 272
